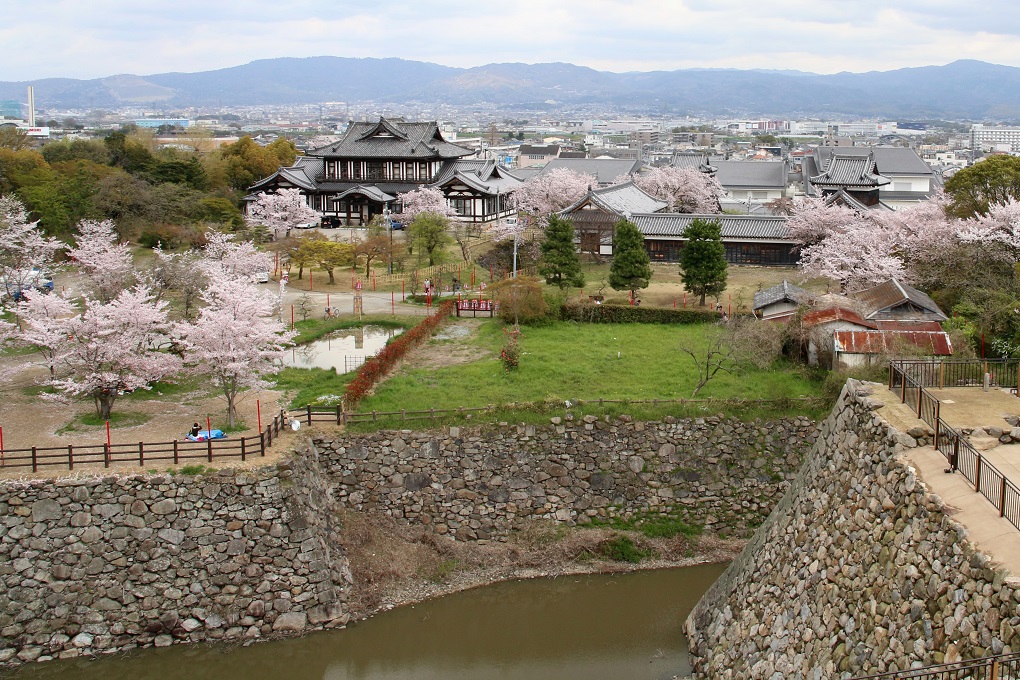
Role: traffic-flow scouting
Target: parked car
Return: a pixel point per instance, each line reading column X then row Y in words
column 260, row 277
column 306, row 225
column 397, row 226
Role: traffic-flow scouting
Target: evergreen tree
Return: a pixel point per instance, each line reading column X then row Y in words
column 703, row 259
column 560, row 262
column 630, row 269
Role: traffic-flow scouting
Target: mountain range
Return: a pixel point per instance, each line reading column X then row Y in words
column 965, row 89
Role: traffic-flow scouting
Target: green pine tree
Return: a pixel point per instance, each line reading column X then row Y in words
column 630, row 269
column 703, row 259
column 560, row 263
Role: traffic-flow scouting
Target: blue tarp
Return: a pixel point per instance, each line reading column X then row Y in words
column 203, row 435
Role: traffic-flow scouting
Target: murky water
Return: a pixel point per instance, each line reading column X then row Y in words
column 622, row 627
column 343, row 350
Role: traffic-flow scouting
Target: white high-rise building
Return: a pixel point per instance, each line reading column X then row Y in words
column 989, row 138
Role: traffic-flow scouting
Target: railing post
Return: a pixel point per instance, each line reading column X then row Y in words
column 1002, row 496
column 242, row 448
column 141, row 454
column 920, row 394
column 995, row 671
column 938, row 422
column 942, row 374
column 977, row 474
column 262, row 444
column 70, row 456
column 208, row 446
column 106, row 455
column 309, row 411
column 903, row 388
column 339, row 411
column 956, row 452
column 35, row 461
column 176, row 453
column 890, row 375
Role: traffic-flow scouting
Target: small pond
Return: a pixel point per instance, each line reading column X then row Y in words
column 591, row 627
column 343, row 350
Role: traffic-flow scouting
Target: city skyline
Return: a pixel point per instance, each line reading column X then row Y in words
column 110, row 37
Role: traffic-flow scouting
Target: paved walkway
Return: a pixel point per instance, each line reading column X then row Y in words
column 994, row 535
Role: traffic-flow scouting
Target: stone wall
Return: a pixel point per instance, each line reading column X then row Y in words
column 103, row 564
column 482, row 483
column 95, row 565
column 858, row 570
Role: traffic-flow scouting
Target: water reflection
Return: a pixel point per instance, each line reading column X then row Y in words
column 625, row 626
column 343, row 350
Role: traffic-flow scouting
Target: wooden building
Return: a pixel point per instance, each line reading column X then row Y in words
column 749, row 239
column 361, row 175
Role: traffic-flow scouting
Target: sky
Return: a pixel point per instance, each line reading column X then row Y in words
column 98, row 38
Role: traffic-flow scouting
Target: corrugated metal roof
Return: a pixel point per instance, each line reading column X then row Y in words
column 821, row 316
column 733, row 227
column 392, row 139
column 935, row 343
column 880, row 300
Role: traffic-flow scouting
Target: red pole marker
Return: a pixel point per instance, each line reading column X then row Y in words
column 393, row 302
column 108, row 434
column 292, row 317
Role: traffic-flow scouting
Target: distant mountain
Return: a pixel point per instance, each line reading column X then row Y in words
column 962, row 89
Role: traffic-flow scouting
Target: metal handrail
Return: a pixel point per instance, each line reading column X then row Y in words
column 986, row 668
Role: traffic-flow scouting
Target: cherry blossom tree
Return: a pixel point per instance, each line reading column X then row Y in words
column 813, row 220
column 862, row 255
column 106, row 264
column 24, row 250
column 281, row 211
column 424, row 200
column 116, row 346
column 235, row 340
column 46, row 325
column 548, row 193
column 1001, row 225
column 685, row 190
column 240, row 260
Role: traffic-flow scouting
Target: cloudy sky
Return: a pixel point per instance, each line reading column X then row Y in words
column 73, row 38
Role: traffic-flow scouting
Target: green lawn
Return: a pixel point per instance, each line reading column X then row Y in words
column 569, row 361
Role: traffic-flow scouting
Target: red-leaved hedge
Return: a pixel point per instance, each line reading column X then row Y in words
column 376, row 367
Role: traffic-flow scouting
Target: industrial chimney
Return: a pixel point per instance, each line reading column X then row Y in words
column 31, row 106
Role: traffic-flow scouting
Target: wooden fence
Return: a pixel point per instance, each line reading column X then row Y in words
column 143, row 453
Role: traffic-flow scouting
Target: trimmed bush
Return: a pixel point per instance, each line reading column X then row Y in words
column 631, row 314
column 373, row 370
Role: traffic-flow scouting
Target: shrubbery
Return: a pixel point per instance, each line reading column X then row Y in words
column 592, row 313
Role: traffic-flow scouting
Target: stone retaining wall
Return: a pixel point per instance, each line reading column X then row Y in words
column 96, row 565
column 858, row 570
column 103, row 564
column 718, row 472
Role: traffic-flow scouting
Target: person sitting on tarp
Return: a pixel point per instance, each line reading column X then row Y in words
column 195, row 429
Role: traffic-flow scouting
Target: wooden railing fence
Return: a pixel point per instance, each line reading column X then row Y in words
column 143, row 453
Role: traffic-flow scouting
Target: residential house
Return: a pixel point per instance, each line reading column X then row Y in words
column 752, row 183
column 779, row 302
column 536, row 154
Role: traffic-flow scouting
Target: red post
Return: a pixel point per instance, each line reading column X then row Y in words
column 276, row 266
column 685, row 299
column 402, row 290
column 292, row 317
column 472, row 277
column 108, row 433
column 327, row 299
column 258, row 410
column 373, row 280
column 208, row 426
column 393, row 302
column 428, row 298
column 674, row 303
column 1, row 445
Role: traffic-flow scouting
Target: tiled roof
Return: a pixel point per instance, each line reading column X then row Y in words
column 779, row 293
column 850, row 170
column 539, row 149
column 621, row 199
column 890, row 160
column 370, row 190
column 386, row 187
column 751, row 174
column 733, row 227
column 392, row 139
column 880, row 301
column 935, row 343
column 686, row 160
column 604, row 169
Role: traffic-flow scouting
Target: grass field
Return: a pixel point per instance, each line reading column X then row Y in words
column 571, row 362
